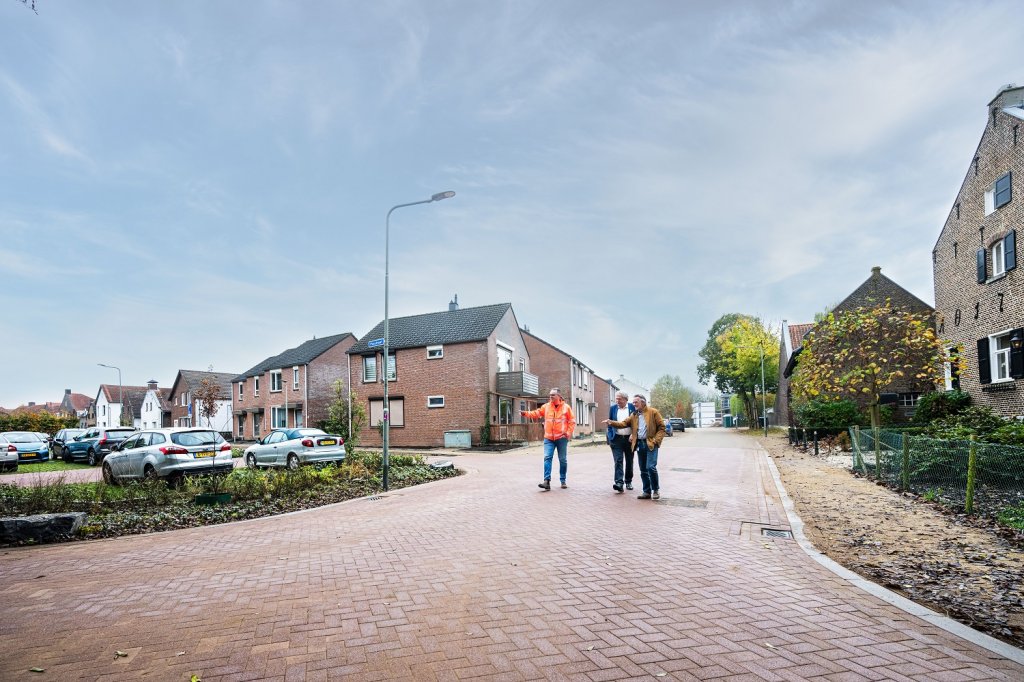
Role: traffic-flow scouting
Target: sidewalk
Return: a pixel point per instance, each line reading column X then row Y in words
column 480, row 577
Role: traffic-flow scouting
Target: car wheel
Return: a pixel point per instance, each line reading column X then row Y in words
column 93, row 458
column 150, row 473
column 250, row 461
column 108, row 474
column 293, row 462
column 65, row 454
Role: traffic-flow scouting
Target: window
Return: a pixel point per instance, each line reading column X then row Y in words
column 397, row 411
column 392, row 368
column 504, row 358
column 369, row 369
column 951, row 369
column 241, row 426
column 241, row 391
column 1004, row 254
column 278, row 418
column 275, row 381
column 522, row 364
column 998, row 194
column 103, row 410
column 298, row 417
column 909, row 399
column 435, row 352
column 435, row 401
column 256, row 386
column 295, row 378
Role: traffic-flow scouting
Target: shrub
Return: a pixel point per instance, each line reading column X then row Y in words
column 837, row 414
column 940, row 405
column 1010, row 433
column 977, row 421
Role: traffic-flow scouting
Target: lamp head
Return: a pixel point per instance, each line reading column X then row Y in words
column 1016, row 341
column 442, row 195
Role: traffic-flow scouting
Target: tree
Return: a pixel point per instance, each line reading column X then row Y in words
column 732, row 355
column 861, row 353
column 207, row 396
column 671, row 397
column 337, row 415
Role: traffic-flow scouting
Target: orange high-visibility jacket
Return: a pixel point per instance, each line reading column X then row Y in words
column 558, row 421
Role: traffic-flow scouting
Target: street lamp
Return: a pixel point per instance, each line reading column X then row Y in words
column 120, row 392
column 387, row 239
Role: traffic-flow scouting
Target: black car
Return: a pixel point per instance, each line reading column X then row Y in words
column 96, row 443
column 678, row 424
column 59, row 441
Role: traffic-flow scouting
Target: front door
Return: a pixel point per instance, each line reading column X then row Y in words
column 505, row 411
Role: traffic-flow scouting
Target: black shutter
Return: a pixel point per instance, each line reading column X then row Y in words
column 1017, row 356
column 1003, row 190
column 982, row 270
column 1010, row 250
column 984, row 366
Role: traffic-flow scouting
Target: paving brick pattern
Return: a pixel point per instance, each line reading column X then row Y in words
column 481, row 577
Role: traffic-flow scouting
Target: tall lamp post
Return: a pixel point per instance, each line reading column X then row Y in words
column 120, row 393
column 387, row 338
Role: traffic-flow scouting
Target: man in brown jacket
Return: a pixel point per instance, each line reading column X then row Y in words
column 647, row 430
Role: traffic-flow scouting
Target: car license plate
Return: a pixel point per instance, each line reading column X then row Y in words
column 28, row 454
column 328, row 442
column 205, row 453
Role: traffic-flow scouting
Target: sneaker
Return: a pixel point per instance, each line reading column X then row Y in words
column 546, row 485
column 564, row 486
column 655, row 495
column 617, row 488
column 645, row 496
column 629, row 486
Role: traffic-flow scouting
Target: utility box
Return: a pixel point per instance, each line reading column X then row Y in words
column 727, row 420
column 457, row 439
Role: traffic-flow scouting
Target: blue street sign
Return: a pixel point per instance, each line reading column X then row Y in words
column 375, row 343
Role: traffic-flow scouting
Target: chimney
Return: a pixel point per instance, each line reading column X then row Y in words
column 67, row 391
column 877, row 270
column 454, row 303
column 152, row 384
column 31, row 404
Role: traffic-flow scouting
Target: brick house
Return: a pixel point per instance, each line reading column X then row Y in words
column 77, row 404
column 557, row 369
column 156, row 407
column 876, row 290
column 979, row 291
column 789, row 348
column 604, row 396
column 185, row 408
column 464, row 369
column 109, row 409
column 293, row 388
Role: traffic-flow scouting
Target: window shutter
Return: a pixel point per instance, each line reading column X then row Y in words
column 1003, row 190
column 984, row 366
column 982, row 273
column 1017, row 356
column 1010, row 250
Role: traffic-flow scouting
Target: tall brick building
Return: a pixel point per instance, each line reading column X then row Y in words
column 979, row 291
column 577, row 383
column 463, row 369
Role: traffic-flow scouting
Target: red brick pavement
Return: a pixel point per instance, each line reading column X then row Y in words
column 480, row 577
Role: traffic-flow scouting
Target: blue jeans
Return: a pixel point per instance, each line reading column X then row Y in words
column 549, row 451
column 620, row 451
column 648, row 460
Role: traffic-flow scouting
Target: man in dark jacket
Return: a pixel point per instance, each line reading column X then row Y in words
column 647, row 431
column 618, row 440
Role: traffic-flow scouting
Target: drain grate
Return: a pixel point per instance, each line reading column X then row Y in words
column 776, row 533
column 374, row 497
column 672, row 502
column 691, row 471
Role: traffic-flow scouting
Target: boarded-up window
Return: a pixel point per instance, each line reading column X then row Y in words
column 397, row 411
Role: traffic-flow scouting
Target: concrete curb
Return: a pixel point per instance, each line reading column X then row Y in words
column 937, row 619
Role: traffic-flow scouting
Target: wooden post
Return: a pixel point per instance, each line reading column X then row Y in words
column 972, row 471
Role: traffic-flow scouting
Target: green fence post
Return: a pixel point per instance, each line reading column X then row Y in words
column 905, row 469
column 972, row 470
column 878, row 451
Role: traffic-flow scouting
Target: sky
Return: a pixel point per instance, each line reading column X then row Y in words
column 186, row 185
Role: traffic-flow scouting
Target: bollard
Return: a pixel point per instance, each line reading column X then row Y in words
column 815, row 443
column 804, row 445
column 972, row 470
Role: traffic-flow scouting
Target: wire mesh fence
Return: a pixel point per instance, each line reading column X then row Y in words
column 981, row 478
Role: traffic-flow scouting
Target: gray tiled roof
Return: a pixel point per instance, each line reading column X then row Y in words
column 193, row 379
column 430, row 329
column 300, row 355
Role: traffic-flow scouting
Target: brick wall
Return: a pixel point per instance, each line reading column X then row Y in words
column 324, row 370
column 966, row 310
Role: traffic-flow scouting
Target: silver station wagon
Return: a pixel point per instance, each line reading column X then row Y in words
column 168, row 454
column 292, row 447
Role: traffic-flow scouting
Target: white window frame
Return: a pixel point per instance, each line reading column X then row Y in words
column 241, row 389
column 909, row 399
column 397, row 412
column 295, row 378
column 369, row 362
column 275, row 380
column 435, row 401
column 996, row 354
column 990, row 200
column 999, row 258
column 392, row 365
column 275, row 413
column 435, row 352
column 256, row 387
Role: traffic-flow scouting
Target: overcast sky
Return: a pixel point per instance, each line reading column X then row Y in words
column 187, row 184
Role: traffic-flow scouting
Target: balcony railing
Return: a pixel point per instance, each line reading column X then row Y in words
column 518, row 384
column 516, row 433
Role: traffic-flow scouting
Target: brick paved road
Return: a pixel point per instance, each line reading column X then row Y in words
column 480, row 577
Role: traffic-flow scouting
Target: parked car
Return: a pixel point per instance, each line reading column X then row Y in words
column 169, row 454
column 96, row 443
column 31, row 448
column 292, row 447
column 8, row 454
column 678, row 424
column 668, row 428
column 60, row 439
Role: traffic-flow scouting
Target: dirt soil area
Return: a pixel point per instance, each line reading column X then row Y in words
column 964, row 568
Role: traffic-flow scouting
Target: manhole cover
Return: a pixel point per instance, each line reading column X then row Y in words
column 691, row 471
column 683, row 503
column 776, row 533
